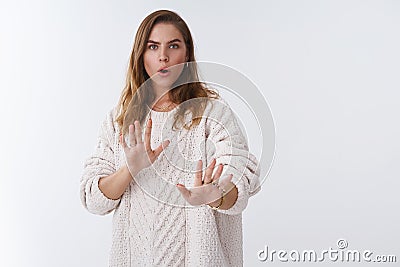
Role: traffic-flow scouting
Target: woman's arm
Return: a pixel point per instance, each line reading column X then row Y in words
column 231, row 150
column 102, row 186
column 100, row 164
column 114, row 185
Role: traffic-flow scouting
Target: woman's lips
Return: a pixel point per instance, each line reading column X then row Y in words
column 163, row 72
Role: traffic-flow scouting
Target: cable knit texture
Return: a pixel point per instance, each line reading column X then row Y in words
column 153, row 225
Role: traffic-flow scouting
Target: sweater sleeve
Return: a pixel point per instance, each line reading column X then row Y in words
column 231, row 149
column 100, row 164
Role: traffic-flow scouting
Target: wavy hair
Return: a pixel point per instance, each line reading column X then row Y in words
column 134, row 103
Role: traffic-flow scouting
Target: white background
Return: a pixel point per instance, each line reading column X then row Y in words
column 329, row 70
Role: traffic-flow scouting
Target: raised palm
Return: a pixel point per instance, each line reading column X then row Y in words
column 139, row 154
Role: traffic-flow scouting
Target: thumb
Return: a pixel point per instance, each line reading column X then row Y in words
column 161, row 147
column 184, row 191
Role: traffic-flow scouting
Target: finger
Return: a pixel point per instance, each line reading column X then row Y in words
column 147, row 135
column 229, row 179
column 218, row 172
column 138, row 132
column 122, row 141
column 226, row 183
column 125, row 147
column 132, row 139
column 209, row 171
column 184, row 191
column 160, row 148
column 199, row 174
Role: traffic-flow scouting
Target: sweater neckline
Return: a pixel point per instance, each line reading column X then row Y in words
column 162, row 114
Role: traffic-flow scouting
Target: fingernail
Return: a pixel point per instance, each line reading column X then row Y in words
column 179, row 184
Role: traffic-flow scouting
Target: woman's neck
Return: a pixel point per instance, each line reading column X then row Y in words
column 160, row 93
column 162, row 101
column 161, row 97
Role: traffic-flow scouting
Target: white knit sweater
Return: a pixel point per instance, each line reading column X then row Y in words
column 152, row 223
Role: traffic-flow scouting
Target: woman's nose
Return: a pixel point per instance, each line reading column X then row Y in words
column 163, row 55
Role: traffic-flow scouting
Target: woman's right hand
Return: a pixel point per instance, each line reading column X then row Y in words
column 139, row 154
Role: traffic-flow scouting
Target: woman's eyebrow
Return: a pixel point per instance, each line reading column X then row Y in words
column 172, row 41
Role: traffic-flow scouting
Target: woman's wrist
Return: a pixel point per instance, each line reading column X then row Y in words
column 126, row 172
column 217, row 203
column 114, row 185
column 227, row 199
column 131, row 171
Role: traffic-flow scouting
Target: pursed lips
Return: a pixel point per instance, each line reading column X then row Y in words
column 163, row 69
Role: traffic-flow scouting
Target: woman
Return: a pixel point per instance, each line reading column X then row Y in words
column 168, row 211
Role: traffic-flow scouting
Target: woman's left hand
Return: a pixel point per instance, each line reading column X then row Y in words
column 203, row 191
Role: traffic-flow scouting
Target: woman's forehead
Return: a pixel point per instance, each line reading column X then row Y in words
column 163, row 32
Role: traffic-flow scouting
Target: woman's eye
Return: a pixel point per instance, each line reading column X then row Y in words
column 174, row 46
column 152, row 47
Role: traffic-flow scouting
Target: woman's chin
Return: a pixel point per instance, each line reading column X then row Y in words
column 163, row 81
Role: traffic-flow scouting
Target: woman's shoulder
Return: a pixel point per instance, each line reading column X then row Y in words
column 113, row 113
column 218, row 107
column 110, row 125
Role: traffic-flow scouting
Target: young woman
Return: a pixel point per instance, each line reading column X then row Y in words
column 168, row 210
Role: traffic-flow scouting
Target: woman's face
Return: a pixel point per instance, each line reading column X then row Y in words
column 165, row 48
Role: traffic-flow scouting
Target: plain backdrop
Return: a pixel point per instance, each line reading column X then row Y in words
column 328, row 69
